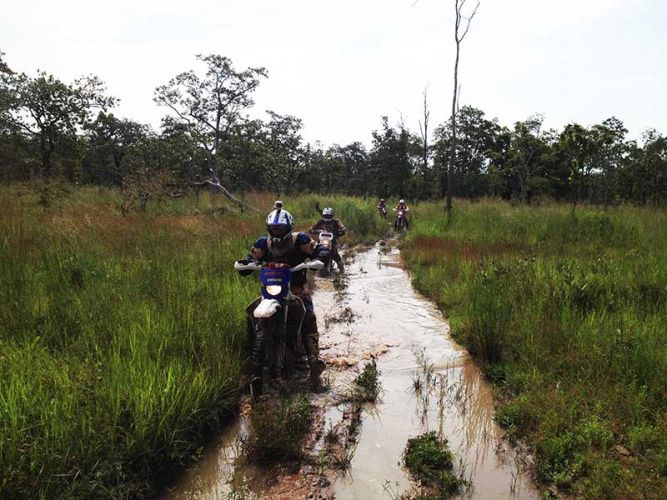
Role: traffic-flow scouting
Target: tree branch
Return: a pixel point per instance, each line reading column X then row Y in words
column 216, row 186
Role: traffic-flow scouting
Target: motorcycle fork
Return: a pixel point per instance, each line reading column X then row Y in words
column 282, row 340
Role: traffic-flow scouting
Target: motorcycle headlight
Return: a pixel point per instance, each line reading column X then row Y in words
column 274, row 289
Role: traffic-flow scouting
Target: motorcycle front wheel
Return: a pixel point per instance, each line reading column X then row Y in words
column 268, row 353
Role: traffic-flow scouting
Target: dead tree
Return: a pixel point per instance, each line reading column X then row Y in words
column 459, row 19
column 423, row 129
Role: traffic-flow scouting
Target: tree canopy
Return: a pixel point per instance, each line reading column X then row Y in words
column 53, row 129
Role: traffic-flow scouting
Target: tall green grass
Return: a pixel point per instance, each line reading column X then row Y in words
column 121, row 338
column 567, row 311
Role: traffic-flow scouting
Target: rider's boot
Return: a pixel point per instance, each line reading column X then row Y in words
column 339, row 262
column 317, row 366
column 312, row 340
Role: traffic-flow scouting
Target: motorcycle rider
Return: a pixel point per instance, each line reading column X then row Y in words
column 295, row 248
column 331, row 225
column 382, row 208
column 402, row 206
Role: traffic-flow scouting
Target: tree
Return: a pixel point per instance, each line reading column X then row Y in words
column 5, row 96
column 243, row 161
column 526, row 162
column 576, row 148
column 342, row 169
column 15, row 157
column 110, row 141
column 476, row 146
column 655, row 163
column 458, row 38
column 4, row 68
column 393, row 159
column 608, row 149
column 643, row 171
column 50, row 111
column 424, row 169
column 209, row 105
column 287, row 156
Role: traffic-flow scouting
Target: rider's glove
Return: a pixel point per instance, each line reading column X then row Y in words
column 245, row 262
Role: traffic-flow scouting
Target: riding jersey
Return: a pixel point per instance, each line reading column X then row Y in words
column 334, row 226
column 291, row 253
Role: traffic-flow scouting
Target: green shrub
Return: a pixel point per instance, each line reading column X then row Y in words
column 645, row 438
column 429, row 461
column 595, row 433
column 366, row 385
column 278, row 427
column 559, row 460
column 515, row 415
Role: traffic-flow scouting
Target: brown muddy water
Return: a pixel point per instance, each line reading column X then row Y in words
column 428, row 383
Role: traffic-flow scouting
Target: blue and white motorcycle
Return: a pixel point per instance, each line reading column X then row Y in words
column 274, row 321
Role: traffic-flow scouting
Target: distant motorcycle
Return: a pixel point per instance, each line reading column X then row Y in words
column 401, row 222
column 327, row 240
column 274, row 322
column 383, row 212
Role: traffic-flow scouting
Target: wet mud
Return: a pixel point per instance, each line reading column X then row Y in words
column 354, row 451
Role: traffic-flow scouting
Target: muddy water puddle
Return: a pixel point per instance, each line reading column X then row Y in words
column 428, row 383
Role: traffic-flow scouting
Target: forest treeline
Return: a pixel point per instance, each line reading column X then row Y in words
column 51, row 129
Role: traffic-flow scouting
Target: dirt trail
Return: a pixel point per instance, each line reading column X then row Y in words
column 428, row 381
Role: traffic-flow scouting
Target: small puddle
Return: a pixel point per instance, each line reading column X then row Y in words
column 379, row 315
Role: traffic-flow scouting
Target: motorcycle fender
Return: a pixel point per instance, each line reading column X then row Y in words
column 266, row 308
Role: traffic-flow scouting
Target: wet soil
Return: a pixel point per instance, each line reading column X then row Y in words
column 428, row 382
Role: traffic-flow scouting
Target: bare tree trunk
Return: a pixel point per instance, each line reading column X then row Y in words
column 458, row 6
column 47, row 147
column 424, row 133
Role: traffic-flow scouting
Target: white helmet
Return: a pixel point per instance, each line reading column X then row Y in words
column 279, row 224
column 328, row 213
column 401, row 201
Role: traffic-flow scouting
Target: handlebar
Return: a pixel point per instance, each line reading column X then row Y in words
column 313, row 265
column 250, row 266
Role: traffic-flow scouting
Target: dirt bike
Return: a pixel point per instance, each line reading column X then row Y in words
column 328, row 242
column 401, row 222
column 274, row 322
column 383, row 212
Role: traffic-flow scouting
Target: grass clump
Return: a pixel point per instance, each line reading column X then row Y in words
column 278, row 427
column 429, row 461
column 366, row 386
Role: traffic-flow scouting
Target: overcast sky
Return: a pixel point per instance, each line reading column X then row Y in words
column 339, row 65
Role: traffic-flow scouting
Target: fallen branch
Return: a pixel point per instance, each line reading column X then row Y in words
column 216, row 186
